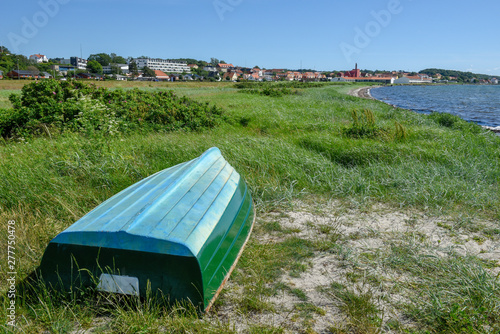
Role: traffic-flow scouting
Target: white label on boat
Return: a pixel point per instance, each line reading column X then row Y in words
column 119, row 284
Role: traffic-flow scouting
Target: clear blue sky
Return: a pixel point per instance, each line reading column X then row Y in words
column 320, row 34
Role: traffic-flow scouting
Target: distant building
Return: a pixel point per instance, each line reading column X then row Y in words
column 224, row 67
column 494, row 81
column 193, row 66
column 22, row 74
column 356, row 73
column 45, row 75
column 210, row 68
column 63, row 69
column 161, row 75
column 109, row 68
column 90, row 76
column 164, row 65
column 413, row 79
column 39, row 58
column 230, row 76
column 79, row 63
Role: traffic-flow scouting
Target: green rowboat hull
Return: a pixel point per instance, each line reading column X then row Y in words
column 177, row 233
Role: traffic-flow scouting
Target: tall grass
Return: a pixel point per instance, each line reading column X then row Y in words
column 455, row 293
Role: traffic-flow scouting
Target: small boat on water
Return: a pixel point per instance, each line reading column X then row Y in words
column 178, row 232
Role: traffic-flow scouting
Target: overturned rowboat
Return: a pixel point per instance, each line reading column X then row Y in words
column 178, row 232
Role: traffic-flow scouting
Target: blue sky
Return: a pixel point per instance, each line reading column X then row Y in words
column 320, row 34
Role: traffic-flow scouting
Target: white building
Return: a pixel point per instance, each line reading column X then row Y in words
column 109, row 69
column 413, row 79
column 210, row 68
column 79, row 63
column 164, row 65
column 39, row 58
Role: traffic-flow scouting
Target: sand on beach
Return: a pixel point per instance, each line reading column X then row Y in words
column 363, row 92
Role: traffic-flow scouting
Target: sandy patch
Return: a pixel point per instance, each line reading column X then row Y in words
column 363, row 92
column 360, row 235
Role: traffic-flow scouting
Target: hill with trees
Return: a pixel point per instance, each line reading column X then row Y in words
column 10, row 61
column 461, row 76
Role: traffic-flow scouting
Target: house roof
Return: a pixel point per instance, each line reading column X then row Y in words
column 22, row 72
column 229, row 74
column 38, row 56
column 160, row 74
column 225, row 65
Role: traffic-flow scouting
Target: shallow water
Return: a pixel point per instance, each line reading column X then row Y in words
column 476, row 103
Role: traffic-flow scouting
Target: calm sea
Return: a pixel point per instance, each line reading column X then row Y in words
column 476, row 103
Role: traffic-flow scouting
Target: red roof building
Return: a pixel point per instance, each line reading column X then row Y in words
column 39, row 58
column 356, row 73
column 160, row 75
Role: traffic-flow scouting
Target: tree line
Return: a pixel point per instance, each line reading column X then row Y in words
column 461, row 76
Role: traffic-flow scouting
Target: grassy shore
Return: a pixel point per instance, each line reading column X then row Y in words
column 370, row 218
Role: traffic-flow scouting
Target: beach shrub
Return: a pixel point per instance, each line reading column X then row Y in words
column 271, row 91
column 455, row 122
column 280, row 84
column 77, row 106
column 363, row 126
column 400, row 132
column 444, row 119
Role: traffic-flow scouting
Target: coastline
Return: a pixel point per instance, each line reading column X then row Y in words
column 364, row 92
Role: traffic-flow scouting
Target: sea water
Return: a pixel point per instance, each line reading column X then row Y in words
column 475, row 103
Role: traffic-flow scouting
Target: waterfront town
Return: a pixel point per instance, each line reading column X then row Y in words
column 104, row 67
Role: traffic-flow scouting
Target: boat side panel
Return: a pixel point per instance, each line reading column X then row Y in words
column 176, row 278
column 223, row 247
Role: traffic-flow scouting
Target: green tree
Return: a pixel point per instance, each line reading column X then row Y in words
column 214, row 61
column 9, row 62
column 102, row 58
column 33, row 69
column 132, row 67
column 94, row 66
column 117, row 59
column 115, row 69
column 147, row 72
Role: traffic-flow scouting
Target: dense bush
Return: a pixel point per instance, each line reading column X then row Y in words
column 76, row 106
column 280, row 84
column 271, row 91
column 363, row 126
column 455, row 122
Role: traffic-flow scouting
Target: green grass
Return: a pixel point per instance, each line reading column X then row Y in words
column 287, row 148
column 4, row 98
column 361, row 309
column 456, row 295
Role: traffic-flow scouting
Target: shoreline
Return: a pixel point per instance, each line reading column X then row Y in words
column 364, row 92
